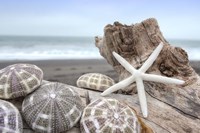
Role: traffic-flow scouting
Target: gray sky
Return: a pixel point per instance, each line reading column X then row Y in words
column 177, row 19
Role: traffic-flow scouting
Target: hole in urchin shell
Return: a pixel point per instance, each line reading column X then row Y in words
column 52, row 95
column 116, row 116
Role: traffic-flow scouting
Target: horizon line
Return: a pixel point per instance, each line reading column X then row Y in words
column 76, row 36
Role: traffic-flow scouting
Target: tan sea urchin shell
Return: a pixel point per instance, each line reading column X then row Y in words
column 95, row 81
column 10, row 118
column 19, row 80
column 109, row 116
column 52, row 108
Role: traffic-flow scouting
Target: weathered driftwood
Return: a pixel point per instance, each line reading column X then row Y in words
column 175, row 108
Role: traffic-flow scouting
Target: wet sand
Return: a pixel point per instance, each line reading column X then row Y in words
column 68, row 71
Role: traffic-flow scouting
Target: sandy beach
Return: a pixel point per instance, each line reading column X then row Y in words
column 68, row 71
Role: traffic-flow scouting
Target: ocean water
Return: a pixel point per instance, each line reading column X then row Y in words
column 43, row 48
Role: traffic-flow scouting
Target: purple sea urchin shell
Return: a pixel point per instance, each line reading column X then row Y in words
column 19, row 80
column 10, row 118
column 52, row 108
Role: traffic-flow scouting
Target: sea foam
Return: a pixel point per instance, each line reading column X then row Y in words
column 46, row 48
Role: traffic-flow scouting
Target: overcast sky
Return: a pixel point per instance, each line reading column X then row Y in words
column 177, row 19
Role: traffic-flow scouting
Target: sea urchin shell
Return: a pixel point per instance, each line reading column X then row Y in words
column 52, row 108
column 10, row 118
column 19, row 80
column 95, row 81
column 109, row 116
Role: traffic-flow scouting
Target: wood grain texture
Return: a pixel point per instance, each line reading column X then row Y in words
column 162, row 118
column 177, row 107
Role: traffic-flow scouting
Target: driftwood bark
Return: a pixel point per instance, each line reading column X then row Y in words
column 172, row 108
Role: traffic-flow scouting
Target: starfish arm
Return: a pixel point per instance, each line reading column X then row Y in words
column 142, row 96
column 151, row 58
column 161, row 79
column 124, row 63
column 120, row 85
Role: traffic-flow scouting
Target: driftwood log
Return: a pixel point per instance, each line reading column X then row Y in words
column 172, row 108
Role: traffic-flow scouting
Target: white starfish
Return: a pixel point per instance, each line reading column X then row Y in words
column 139, row 76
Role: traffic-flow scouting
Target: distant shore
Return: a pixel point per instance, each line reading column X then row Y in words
column 68, row 71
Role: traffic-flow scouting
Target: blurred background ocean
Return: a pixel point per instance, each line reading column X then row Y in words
column 49, row 47
column 50, row 29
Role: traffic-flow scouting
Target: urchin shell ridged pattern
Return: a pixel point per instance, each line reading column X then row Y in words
column 109, row 116
column 10, row 118
column 52, row 108
column 19, row 80
column 95, row 81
